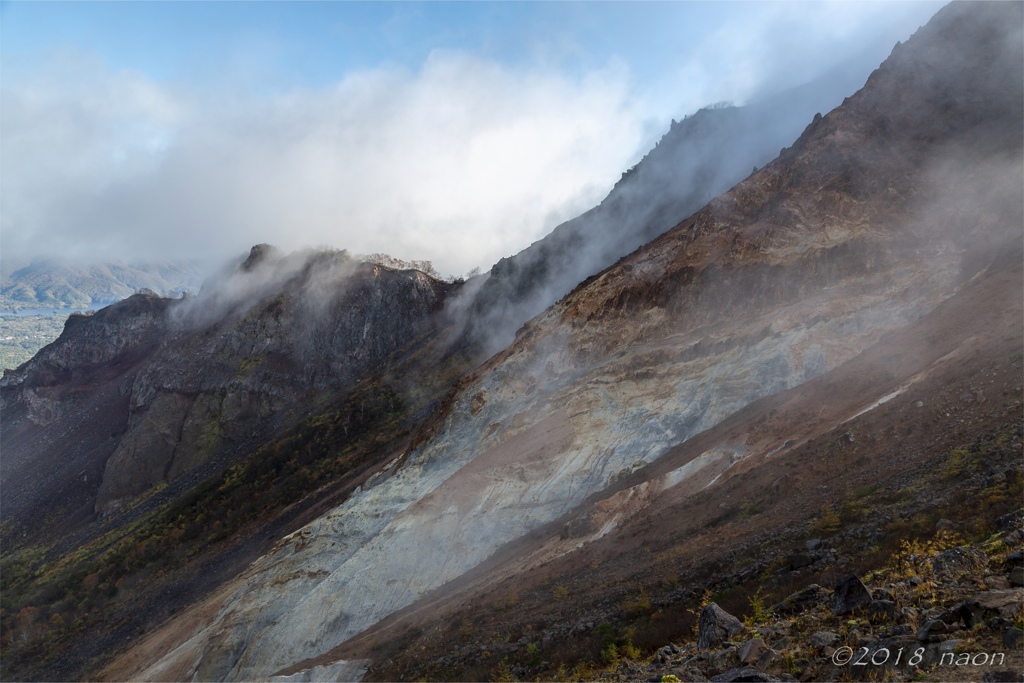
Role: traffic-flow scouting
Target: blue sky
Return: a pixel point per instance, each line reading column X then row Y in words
column 458, row 132
column 314, row 43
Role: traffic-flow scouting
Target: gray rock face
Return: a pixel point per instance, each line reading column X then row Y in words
column 61, row 409
column 89, row 344
column 715, row 625
column 850, row 594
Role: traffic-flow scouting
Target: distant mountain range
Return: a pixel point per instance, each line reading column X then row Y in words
column 57, row 284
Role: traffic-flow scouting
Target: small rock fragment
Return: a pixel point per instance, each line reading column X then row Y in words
column 996, row 583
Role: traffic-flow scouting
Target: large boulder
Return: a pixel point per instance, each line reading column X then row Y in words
column 956, row 560
column 715, row 625
column 850, row 594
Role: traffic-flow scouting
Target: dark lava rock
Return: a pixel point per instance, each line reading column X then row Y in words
column 996, row 623
column 799, row 561
column 850, row 594
column 882, row 594
column 1013, row 638
column 715, row 625
column 931, row 630
column 823, row 639
column 742, row 675
column 900, row 630
column 969, row 612
column 1002, row 677
column 881, row 610
column 1010, row 521
column 797, row 603
column 1017, row 576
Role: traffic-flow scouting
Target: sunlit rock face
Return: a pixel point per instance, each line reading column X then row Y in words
column 880, row 211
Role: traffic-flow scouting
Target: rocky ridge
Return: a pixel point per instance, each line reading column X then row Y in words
column 699, row 157
column 149, row 409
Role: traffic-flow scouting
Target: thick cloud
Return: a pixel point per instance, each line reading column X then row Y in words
column 462, row 160
column 457, row 162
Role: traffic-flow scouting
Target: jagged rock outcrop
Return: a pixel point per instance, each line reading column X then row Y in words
column 91, row 344
column 333, row 322
column 151, row 388
column 882, row 211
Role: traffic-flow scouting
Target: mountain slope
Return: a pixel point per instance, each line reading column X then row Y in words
column 905, row 197
column 166, row 440
column 698, row 158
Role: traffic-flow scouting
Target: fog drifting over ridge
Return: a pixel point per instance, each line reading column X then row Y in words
column 461, row 161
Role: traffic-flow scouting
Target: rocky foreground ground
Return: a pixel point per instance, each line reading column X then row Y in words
column 940, row 609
